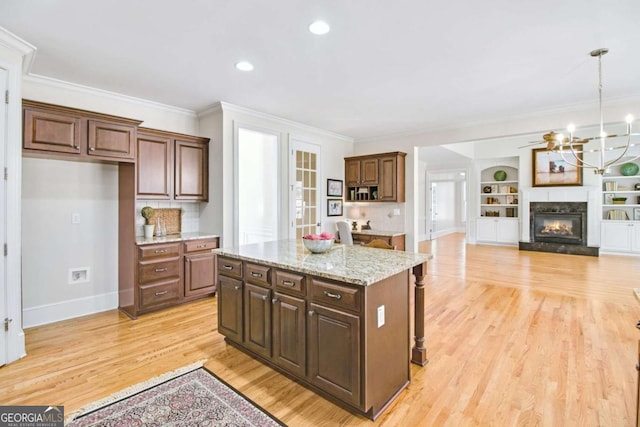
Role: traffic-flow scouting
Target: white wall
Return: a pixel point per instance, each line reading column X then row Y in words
column 53, row 189
column 218, row 124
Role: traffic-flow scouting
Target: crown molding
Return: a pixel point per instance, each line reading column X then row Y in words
column 61, row 84
column 227, row 107
column 22, row 47
column 536, row 114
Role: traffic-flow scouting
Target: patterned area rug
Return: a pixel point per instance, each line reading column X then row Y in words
column 195, row 398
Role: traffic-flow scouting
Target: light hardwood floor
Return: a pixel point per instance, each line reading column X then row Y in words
column 513, row 338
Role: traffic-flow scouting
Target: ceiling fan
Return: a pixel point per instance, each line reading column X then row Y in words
column 553, row 140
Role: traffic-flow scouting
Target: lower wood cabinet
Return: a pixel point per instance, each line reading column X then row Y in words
column 326, row 334
column 397, row 241
column 166, row 274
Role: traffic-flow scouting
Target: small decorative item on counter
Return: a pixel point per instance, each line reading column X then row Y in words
column 147, row 213
column 318, row 244
column 354, row 225
column 367, row 226
column 161, row 230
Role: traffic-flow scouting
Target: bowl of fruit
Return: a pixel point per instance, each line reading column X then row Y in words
column 318, row 243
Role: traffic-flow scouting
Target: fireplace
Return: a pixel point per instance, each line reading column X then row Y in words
column 559, row 227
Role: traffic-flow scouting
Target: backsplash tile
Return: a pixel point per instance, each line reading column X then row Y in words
column 190, row 214
column 381, row 216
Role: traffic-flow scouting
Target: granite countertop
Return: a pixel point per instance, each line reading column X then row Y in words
column 355, row 264
column 140, row 240
column 378, row 233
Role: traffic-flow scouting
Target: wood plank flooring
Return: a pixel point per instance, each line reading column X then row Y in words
column 513, row 338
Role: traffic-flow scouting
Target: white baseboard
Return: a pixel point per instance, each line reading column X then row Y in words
column 49, row 313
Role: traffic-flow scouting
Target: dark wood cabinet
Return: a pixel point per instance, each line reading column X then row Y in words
column 289, row 333
column 158, row 277
column 341, row 340
column 396, row 241
column 172, row 166
column 230, row 300
column 334, row 352
column 375, row 178
column 199, row 268
column 53, row 130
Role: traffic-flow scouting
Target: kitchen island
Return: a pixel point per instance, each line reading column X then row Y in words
column 336, row 322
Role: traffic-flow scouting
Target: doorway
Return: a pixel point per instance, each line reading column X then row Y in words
column 304, row 181
column 258, row 184
column 446, row 202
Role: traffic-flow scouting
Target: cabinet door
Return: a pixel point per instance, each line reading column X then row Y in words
column 387, row 185
column 508, row 231
column 635, row 237
column 334, row 352
column 191, row 171
column 616, row 235
column 369, row 171
column 154, row 165
column 199, row 274
column 230, row 308
column 48, row 131
column 289, row 333
column 352, row 172
column 257, row 319
column 486, row 229
column 111, row 140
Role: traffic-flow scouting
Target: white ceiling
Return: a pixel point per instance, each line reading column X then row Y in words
column 386, row 67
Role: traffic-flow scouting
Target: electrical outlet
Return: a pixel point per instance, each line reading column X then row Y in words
column 380, row 316
column 396, row 212
column 75, row 218
column 79, row 275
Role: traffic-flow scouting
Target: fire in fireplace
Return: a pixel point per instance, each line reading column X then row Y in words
column 562, row 222
column 557, row 228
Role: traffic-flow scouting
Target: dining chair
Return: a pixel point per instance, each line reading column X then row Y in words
column 381, row 244
column 344, row 232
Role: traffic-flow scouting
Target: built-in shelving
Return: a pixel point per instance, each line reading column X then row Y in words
column 499, row 198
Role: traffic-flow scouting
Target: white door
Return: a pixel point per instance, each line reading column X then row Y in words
column 304, row 185
column 3, row 205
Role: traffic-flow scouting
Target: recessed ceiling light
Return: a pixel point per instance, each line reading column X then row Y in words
column 319, row 28
column 244, row 66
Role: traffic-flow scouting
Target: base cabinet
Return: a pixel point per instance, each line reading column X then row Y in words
column 497, row 230
column 620, row 236
column 326, row 334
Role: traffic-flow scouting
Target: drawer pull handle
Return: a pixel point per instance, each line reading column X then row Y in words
column 161, row 293
column 288, row 283
column 237, row 288
column 201, row 246
column 263, row 297
column 161, row 251
column 161, row 270
column 332, row 295
column 227, row 267
column 254, row 274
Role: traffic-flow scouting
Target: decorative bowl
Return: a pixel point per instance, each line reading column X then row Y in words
column 317, row 246
column 629, row 169
column 500, row 175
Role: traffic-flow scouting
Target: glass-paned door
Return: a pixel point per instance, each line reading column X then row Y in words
column 305, row 197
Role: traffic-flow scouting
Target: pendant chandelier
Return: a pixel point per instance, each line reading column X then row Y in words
column 571, row 148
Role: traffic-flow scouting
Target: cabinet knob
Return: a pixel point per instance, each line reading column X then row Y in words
column 77, row 147
column 263, row 297
column 237, row 288
column 275, row 300
column 92, row 149
column 311, row 312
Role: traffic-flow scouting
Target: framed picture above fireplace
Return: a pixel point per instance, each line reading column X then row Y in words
column 551, row 170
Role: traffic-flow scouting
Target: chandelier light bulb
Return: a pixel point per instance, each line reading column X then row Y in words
column 559, row 137
column 603, row 134
column 319, row 28
column 629, row 119
column 571, row 128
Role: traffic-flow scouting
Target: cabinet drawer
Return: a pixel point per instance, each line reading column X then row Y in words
column 335, row 295
column 258, row 274
column 200, row 245
column 168, row 250
column 290, row 282
column 148, row 272
column 230, row 267
column 159, row 293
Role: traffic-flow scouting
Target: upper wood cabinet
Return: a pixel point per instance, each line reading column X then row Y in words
column 375, row 178
column 53, row 130
column 172, row 166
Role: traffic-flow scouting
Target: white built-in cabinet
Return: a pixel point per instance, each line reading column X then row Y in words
column 620, row 236
column 499, row 204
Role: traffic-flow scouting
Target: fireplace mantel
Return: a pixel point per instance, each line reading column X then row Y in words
column 589, row 194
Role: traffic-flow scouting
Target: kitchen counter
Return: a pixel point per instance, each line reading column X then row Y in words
column 355, row 264
column 178, row 237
